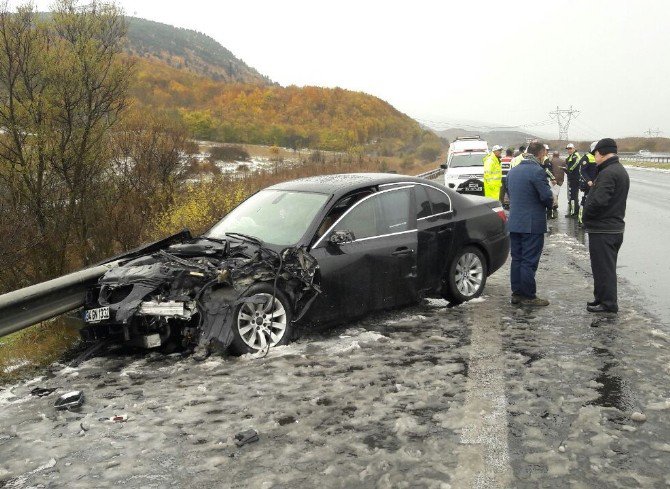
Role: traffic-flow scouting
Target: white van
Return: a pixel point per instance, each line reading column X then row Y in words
column 464, row 169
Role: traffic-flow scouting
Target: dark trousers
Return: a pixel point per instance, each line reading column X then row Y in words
column 573, row 197
column 503, row 189
column 526, row 249
column 604, row 249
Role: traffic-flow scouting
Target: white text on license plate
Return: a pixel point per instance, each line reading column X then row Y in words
column 95, row 315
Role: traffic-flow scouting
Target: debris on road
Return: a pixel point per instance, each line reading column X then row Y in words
column 42, row 391
column 245, row 437
column 639, row 417
column 70, row 400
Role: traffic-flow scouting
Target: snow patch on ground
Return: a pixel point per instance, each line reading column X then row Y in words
column 15, row 366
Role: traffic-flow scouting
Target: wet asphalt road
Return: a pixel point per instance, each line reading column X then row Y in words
column 644, row 258
column 484, row 395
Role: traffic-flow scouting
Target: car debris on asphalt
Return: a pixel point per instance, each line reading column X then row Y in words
column 69, row 400
column 245, row 437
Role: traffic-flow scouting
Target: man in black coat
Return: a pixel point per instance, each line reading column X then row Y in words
column 604, row 212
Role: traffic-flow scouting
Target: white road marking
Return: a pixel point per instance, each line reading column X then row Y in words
column 483, row 456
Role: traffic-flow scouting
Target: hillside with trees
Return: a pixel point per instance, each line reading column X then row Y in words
column 188, row 50
column 294, row 117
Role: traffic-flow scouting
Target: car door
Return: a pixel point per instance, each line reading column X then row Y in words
column 435, row 225
column 377, row 269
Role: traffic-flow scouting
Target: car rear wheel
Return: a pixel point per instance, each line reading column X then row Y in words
column 263, row 323
column 466, row 276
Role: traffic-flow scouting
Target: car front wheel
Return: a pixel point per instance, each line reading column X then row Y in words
column 262, row 322
column 466, row 276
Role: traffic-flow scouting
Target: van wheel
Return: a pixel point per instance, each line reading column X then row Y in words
column 466, row 276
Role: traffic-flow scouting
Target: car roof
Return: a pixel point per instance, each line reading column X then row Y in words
column 343, row 183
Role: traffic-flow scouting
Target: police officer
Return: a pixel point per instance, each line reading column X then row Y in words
column 518, row 158
column 493, row 173
column 572, row 171
column 505, row 164
column 587, row 174
column 548, row 170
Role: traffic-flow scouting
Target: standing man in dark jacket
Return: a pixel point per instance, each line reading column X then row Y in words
column 604, row 213
column 572, row 170
column 530, row 198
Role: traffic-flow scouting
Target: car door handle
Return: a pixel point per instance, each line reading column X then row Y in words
column 403, row 251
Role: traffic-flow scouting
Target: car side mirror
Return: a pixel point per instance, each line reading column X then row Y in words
column 444, row 166
column 341, row 237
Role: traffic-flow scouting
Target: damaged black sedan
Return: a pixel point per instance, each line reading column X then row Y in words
column 312, row 251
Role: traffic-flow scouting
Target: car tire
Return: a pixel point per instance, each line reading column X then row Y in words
column 466, row 276
column 251, row 337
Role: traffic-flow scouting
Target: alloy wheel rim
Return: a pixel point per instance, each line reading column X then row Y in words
column 469, row 274
column 258, row 328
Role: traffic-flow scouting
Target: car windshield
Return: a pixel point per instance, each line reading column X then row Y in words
column 467, row 159
column 277, row 217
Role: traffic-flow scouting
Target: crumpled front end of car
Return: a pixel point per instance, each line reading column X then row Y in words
column 186, row 295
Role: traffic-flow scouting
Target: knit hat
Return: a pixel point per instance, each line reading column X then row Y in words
column 605, row 146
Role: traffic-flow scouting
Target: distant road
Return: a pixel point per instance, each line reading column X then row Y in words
column 644, row 258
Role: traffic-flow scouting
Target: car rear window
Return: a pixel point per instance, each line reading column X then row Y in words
column 423, row 208
column 439, row 200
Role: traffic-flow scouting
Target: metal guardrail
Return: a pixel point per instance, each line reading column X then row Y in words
column 432, row 174
column 660, row 158
column 30, row 305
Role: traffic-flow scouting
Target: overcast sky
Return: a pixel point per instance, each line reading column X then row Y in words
column 447, row 63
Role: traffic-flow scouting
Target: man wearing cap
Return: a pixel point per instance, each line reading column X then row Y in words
column 530, row 197
column 493, row 173
column 587, row 174
column 572, row 171
column 604, row 212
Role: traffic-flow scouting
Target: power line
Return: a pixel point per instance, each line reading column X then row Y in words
column 563, row 117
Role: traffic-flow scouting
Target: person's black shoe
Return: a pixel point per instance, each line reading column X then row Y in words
column 592, row 303
column 600, row 308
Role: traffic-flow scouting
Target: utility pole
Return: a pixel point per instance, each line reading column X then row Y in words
column 652, row 133
column 563, row 117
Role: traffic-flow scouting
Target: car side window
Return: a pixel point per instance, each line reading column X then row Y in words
column 362, row 220
column 339, row 209
column 422, row 203
column 439, row 200
column 395, row 210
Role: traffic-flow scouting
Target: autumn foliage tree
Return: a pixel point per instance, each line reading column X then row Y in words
column 62, row 88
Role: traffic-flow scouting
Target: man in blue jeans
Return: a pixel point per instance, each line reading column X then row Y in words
column 530, row 197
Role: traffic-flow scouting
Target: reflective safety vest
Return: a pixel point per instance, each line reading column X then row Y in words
column 546, row 164
column 516, row 160
column 492, row 176
column 572, row 161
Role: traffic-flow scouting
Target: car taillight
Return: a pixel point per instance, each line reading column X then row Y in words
column 501, row 213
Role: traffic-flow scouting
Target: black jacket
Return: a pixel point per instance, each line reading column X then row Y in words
column 572, row 167
column 605, row 206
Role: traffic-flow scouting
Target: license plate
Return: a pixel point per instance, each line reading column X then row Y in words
column 96, row 315
column 473, row 187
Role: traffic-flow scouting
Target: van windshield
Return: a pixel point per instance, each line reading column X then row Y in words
column 467, row 159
